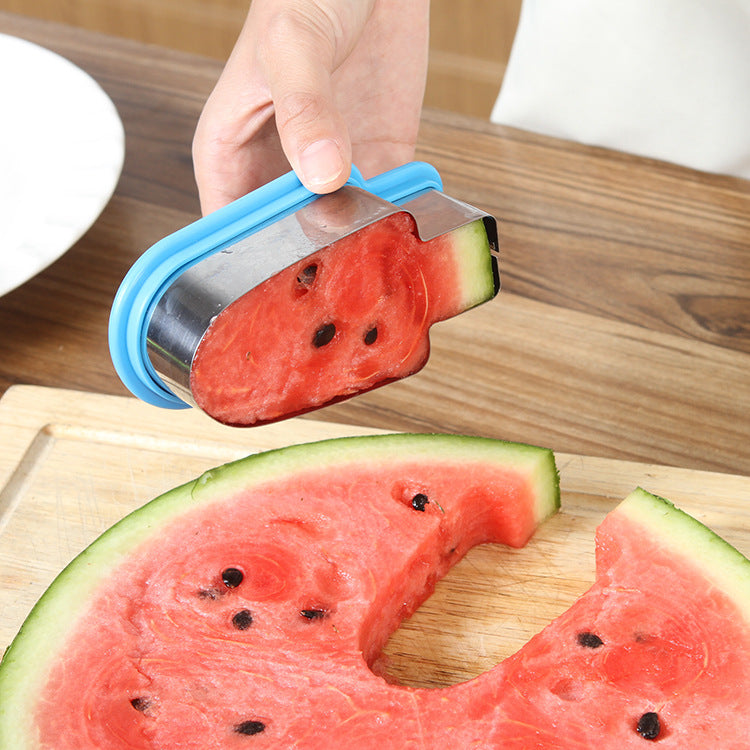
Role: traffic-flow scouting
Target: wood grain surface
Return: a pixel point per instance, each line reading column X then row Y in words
column 623, row 326
column 72, row 464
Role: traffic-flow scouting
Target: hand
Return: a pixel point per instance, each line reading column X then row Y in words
column 313, row 84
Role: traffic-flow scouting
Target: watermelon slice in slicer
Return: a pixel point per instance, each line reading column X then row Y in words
column 285, row 301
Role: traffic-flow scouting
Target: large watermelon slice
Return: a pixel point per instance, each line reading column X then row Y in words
column 245, row 609
column 350, row 317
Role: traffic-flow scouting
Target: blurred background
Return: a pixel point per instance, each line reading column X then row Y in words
column 469, row 46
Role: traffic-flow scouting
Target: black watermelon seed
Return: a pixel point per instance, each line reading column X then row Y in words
column 140, row 704
column 242, row 620
column 251, row 726
column 313, row 614
column 589, row 640
column 649, row 726
column 371, row 336
column 307, row 275
column 324, row 335
column 419, row 501
column 232, row 577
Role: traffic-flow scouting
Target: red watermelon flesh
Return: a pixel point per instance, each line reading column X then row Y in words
column 140, row 643
column 350, row 317
column 143, row 644
column 662, row 639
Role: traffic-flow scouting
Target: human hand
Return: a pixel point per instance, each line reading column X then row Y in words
column 314, row 84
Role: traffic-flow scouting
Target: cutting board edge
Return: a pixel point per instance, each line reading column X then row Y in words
column 29, row 411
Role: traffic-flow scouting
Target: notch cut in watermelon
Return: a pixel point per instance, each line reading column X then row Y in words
column 353, row 316
column 327, row 546
column 243, row 610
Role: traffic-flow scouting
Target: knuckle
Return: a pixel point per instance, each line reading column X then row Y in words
column 298, row 24
column 298, row 109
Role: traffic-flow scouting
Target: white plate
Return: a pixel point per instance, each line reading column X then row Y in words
column 62, row 146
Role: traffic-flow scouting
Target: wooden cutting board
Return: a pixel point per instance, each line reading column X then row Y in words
column 71, row 464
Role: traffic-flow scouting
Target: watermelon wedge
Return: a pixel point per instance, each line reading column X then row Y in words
column 353, row 316
column 245, row 609
column 169, row 629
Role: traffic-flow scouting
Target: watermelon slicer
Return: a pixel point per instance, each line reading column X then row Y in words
column 174, row 291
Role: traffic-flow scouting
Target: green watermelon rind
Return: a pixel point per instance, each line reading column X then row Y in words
column 42, row 635
column 686, row 537
column 478, row 280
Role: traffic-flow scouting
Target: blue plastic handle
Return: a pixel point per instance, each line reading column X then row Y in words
column 405, row 182
column 156, row 269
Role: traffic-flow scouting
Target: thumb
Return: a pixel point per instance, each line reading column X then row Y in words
column 313, row 134
column 314, row 138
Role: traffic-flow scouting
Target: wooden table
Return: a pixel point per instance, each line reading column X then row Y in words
column 623, row 327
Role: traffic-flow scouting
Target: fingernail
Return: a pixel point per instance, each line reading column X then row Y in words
column 320, row 163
